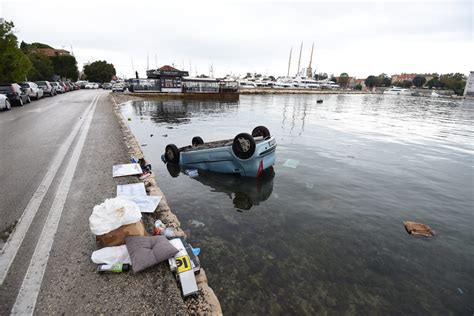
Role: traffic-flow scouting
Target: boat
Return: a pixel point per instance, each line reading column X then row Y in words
column 397, row 91
column 246, row 154
column 434, row 94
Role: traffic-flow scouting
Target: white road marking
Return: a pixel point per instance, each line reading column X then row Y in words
column 11, row 247
column 26, row 300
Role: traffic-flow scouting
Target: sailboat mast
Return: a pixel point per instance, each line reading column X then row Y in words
column 299, row 60
column 289, row 63
column 309, row 71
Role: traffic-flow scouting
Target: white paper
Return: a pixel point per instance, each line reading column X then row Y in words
column 291, row 163
column 146, row 204
column 126, row 170
column 133, row 189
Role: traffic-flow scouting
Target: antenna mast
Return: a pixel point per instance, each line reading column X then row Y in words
column 289, row 63
column 309, row 71
column 299, row 60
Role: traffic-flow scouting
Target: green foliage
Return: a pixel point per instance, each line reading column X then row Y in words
column 372, row 81
column 320, row 76
column 358, row 87
column 65, row 66
column 452, row 81
column 419, row 81
column 343, row 80
column 14, row 65
column 42, row 68
column 39, row 45
column 99, row 71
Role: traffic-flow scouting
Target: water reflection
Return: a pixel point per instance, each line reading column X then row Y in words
column 180, row 111
column 243, row 191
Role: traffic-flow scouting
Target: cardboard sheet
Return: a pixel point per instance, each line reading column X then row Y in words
column 126, row 170
column 146, row 204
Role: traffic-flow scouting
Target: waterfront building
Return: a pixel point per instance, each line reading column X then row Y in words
column 403, row 77
column 469, row 88
column 169, row 78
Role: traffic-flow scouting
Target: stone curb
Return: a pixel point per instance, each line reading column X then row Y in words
column 206, row 301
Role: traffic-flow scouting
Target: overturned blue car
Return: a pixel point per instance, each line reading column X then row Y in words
column 247, row 154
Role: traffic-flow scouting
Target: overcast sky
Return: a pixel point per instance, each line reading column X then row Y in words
column 357, row 37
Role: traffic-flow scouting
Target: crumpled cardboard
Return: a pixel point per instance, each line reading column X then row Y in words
column 117, row 236
column 414, row 228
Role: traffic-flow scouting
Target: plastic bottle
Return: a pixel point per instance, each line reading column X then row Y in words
column 113, row 268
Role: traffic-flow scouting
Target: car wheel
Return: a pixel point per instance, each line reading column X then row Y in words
column 197, row 141
column 28, row 99
column 172, row 153
column 173, row 169
column 243, row 146
column 20, row 103
column 37, row 97
column 8, row 106
column 261, row 131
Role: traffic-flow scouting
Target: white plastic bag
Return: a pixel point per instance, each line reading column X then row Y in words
column 112, row 214
column 111, row 255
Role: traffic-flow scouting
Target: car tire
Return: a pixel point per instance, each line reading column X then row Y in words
column 20, row 102
column 28, row 99
column 8, row 105
column 243, row 146
column 37, row 97
column 261, row 131
column 172, row 153
column 196, row 141
column 173, row 169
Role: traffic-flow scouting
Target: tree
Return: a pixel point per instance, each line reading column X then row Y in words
column 406, row 84
column 372, row 81
column 434, row 83
column 65, row 66
column 453, row 81
column 14, row 65
column 99, row 71
column 333, row 79
column 384, row 80
column 42, row 68
column 320, row 76
column 358, row 87
column 419, row 81
column 343, row 80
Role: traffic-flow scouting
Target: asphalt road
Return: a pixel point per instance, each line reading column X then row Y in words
column 56, row 163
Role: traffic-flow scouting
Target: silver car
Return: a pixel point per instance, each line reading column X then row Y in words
column 32, row 89
column 4, row 102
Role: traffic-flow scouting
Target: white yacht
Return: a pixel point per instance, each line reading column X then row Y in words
column 397, row 91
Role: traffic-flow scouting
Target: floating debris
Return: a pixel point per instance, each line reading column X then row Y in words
column 291, row 163
column 196, row 223
column 414, row 228
column 165, row 135
column 151, row 135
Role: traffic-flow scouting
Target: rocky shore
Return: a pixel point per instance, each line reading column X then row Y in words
column 206, row 302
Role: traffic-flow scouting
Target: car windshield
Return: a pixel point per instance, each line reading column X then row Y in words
column 42, row 83
column 24, row 85
column 5, row 88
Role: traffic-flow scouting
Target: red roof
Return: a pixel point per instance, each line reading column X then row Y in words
column 167, row 68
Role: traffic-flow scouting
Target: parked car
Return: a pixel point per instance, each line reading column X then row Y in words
column 15, row 93
column 32, row 89
column 65, row 86
column 107, row 86
column 4, row 102
column 47, row 88
column 118, row 87
column 57, row 87
column 247, row 155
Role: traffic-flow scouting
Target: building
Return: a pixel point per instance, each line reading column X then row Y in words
column 169, row 78
column 51, row 52
column 469, row 88
column 402, row 77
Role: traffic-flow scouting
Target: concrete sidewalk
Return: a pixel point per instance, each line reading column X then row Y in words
column 70, row 284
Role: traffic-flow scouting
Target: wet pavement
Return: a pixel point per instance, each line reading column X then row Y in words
column 62, row 280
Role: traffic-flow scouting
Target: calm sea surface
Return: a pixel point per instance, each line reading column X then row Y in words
column 323, row 231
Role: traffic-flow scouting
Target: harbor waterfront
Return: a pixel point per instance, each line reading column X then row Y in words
column 323, row 231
